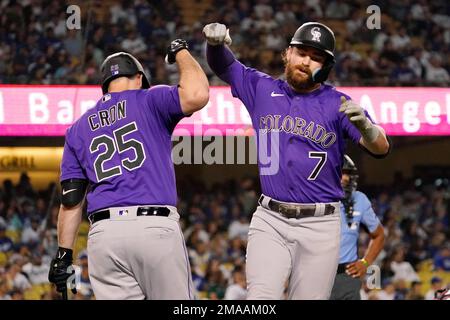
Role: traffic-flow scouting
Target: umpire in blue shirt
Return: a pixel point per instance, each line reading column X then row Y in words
column 356, row 209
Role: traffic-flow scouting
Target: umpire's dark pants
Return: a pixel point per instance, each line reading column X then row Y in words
column 346, row 288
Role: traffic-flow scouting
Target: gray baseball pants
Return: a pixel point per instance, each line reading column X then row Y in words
column 302, row 253
column 139, row 257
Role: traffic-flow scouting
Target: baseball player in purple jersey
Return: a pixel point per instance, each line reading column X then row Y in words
column 294, row 233
column 121, row 148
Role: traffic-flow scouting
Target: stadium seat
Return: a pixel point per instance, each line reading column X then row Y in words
column 80, row 244
column 3, row 259
column 417, row 42
column 192, row 10
column 84, row 228
column 362, row 48
column 338, row 26
column 35, row 292
column 14, row 235
column 202, row 295
column 426, row 265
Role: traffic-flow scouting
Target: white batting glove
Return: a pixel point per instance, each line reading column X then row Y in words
column 217, row 34
column 355, row 113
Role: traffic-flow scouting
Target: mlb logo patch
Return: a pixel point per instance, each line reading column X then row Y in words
column 114, row 69
column 123, row 212
column 106, row 97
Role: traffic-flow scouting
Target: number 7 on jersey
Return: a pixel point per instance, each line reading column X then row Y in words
column 322, row 156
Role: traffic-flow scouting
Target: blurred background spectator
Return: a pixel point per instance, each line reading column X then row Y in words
column 436, row 284
column 410, row 49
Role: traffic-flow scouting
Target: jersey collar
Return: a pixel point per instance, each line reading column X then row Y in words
column 292, row 93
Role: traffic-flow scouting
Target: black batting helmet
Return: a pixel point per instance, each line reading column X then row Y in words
column 319, row 36
column 121, row 64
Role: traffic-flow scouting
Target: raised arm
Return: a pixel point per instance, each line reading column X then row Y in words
column 193, row 87
column 218, row 55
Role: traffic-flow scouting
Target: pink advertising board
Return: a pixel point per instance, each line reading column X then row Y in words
column 50, row 110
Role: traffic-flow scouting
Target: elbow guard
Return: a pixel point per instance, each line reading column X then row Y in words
column 73, row 191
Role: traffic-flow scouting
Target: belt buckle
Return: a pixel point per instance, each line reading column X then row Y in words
column 284, row 209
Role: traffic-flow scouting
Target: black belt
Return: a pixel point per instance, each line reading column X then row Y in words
column 296, row 211
column 141, row 211
column 341, row 267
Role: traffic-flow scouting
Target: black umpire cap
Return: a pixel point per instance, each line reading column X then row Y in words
column 349, row 166
column 121, row 64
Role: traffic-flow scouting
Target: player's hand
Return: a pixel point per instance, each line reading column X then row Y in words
column 217, row 34
column 356, row 269
column 174, row 47
column 355, row 114
column 61, row 270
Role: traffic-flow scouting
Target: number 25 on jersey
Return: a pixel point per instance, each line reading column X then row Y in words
column 117, row 143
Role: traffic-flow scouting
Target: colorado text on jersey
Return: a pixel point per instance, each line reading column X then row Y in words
column 313, row 131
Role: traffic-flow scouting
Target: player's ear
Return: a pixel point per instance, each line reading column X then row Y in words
column 139, row 79
column 286, row 55
column 289, row 52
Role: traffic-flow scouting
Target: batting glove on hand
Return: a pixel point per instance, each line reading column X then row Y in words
column 355, row 113
column 174, row 47
column 217, row 34
column 61, row 269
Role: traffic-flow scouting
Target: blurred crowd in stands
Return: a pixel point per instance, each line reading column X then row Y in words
column 414, row 263
column 411, row 47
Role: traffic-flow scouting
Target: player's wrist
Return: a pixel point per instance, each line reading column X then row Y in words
column 369, row 131
column 213, row 42
column 65, row 254
column 364, row 262
column 174, row 48
column 181, row 53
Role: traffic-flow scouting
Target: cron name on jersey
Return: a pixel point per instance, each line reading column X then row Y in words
column 298, row 126
column 107, row 117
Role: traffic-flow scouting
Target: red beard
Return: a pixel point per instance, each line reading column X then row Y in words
column 298, row 80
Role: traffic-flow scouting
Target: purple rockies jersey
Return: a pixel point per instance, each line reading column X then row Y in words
column 122, row 146
column 312, row 135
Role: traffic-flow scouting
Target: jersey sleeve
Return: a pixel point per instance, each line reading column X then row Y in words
column 350, row 131
column 70, row 165
column 244, row 81
column 369, row 218
column 165, row 100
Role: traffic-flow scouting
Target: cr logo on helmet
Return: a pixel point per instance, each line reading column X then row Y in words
column 316, row 34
